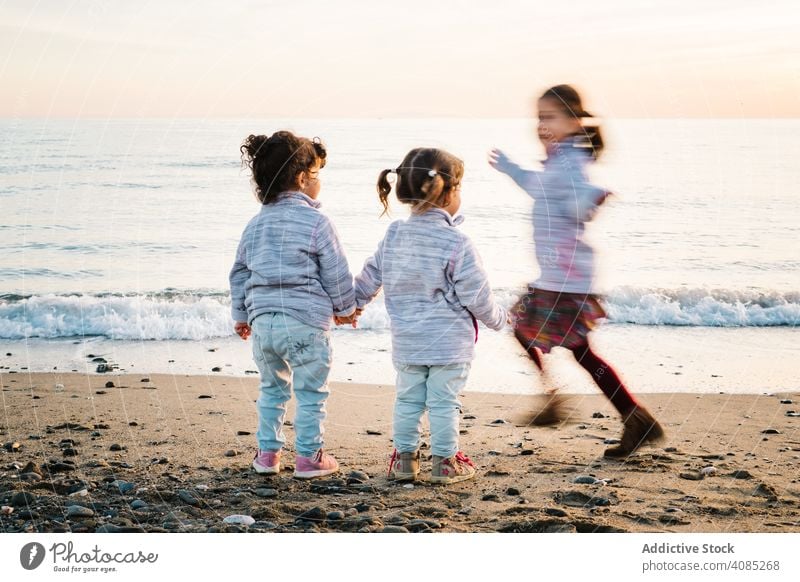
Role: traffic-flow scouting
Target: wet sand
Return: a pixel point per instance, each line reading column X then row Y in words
column 157, row 453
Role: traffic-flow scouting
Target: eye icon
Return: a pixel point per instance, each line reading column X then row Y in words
column 31, row 556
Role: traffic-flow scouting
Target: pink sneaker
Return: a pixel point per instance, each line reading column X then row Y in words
column 267, row 462
column 319, row 465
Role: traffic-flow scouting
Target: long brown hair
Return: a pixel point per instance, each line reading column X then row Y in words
column 567, row 98
column 424, row 179
column 276, row 160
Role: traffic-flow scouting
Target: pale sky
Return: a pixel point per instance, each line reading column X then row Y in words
column 354, row 58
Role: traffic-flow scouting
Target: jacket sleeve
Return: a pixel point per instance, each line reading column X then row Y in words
column 238, row 277
column 370, row 281
column 473, row 289
column 335, row 276
column 528, row 180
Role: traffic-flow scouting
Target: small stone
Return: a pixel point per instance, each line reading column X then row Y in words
column 266, row 492
column 526, row 452
column 216, row 369
column 138, row 504
column 741, row 474
column 79, row 511
column 692, row 475
column 708, row 471
column 23, row 498
column 187, row 497
column 355, row 477
column 315, row 514
column 30, row 477
column 204, row 396
column 770, row 431
column 598, row 415
column 109, row 384
column 122, row 486
column 512, row 491
column 133, row 423
column 408, row 486
column 792, row 413
column 103, row 368
column 335, row 516
column 144, row 380
column 99, row 360
column 116, row 447
column 101, row 392
column 374, row 432
column 243, row 433
column 786, row 401
column 393, row 529
column 611, row 442
column 498, row 421
column 12, row 447
column 490, row 497
column 555, row 512
column 240, row 520
column 469, row 417
column 231, row 453
column 673, row 510
column 585, row 479
column 70, row 452
column 32, row 467
column 6, row 510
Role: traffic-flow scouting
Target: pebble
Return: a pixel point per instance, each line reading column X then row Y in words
column 357, row 477
column 23, row 498
column 498, row 421
column 313, row 514
column 138, row 504
column 374, row 432
column 708, row 471
column 79, row 511
column 526, row 452
column 598, row 415
column 103, row 368
column 786, row 401
column 335, row 516
column 490, row 497
column 240, row 520
column 12, row 447
column 770, row 431
column 70, row 452
column 243, row 433
column 110, row 384
column 611, row 442
column 408, row 486
column 6, row 510
column 122, row 486
column 32, row 477
column 145, row 380
column 204, row 396
column 231, row 453
column 266, row 492
column 555, row 512
column 216, row 369
column 393, row 529
column 792, row 413
column 32, row 467
column 585, row 479
column 187, row 497
column 512, row 491
column 692, row 475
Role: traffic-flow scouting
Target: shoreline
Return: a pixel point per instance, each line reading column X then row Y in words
column 173, row 454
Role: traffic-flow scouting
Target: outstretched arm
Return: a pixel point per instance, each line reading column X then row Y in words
column 502, row 163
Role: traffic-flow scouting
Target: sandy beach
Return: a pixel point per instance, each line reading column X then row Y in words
column 155, row 453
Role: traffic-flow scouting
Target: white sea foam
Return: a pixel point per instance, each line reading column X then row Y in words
column 202, row 315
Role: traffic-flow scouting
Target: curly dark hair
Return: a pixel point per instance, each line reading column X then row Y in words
column 278, row 159
column 424, row 179
column 567, row 98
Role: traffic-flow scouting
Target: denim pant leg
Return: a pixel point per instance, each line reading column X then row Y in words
column 310, row 355
column 276, row 383
column 409, row 406
column 444, row 385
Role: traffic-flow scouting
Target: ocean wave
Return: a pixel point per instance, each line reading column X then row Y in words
column 174, row 314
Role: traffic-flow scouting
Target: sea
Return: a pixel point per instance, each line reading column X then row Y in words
column 117, row 236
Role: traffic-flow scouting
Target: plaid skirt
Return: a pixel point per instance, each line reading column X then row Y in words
column 547, row 319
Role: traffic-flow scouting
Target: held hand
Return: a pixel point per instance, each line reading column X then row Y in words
column 242, row 329
column 352, row 318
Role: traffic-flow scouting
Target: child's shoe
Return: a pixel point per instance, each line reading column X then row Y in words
column 404, row 466
column 453, row 469
column 267, row 462
column 640, row 428
column 319, row 465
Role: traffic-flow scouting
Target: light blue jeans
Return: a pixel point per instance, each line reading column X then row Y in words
column 291, row 355
column 432, row 388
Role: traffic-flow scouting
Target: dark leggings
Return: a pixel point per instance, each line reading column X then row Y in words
column 602, row 374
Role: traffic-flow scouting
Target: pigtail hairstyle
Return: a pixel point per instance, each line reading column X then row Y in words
column 276, row 161
column 590, row 137
column 424, row 179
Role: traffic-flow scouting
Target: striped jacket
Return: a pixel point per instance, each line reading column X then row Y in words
column 290, row 261
column 435, row 289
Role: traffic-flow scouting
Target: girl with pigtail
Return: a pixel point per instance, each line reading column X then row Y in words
column 560, row 307
column 435, row 292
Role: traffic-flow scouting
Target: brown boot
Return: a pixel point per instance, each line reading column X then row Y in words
column 640, row 428
column 404, row 466
column 552, row 413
